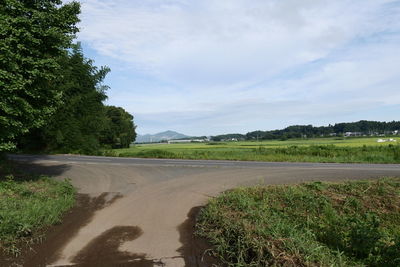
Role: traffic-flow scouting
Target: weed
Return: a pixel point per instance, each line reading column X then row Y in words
column 28, row 204
column 311, row 224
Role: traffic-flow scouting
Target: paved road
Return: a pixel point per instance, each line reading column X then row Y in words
column 147, row 202
column 180, row 162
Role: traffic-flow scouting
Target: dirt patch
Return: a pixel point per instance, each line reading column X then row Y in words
column 57, row 236
column 103, row 250
column 194, row 249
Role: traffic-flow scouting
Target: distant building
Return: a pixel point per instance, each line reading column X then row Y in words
column 186, row 141
column 352, row 134
column 179, row 141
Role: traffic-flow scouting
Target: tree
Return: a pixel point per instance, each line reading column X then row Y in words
column 299, row 131
column 33, row 37
column 76, row 126
column 120, row 132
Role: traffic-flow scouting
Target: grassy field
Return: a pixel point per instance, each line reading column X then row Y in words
column 311, row 224
column 29, row 204
column 366, row 150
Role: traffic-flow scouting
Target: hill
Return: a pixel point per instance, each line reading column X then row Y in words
column 154, row 138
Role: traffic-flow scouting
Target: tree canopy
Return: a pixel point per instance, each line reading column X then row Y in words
column 33, row 37
column 120, row 130
column 83, row 124
column 309, row 131
column 51, row 95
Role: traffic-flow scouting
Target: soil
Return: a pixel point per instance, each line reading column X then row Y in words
column 56, row 236
column 104, row 249
column 140, row 213
column 194, row 248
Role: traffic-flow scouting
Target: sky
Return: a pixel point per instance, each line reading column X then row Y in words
column 216, row 66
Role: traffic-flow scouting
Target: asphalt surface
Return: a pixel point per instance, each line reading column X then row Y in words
column 179, row 162
column 151, row 201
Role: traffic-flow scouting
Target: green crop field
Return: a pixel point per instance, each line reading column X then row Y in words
column 366, row 150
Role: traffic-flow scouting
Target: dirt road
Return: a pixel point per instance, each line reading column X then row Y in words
column 138, row 211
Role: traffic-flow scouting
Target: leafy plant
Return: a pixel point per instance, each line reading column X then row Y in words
column 33, row 36
column 317, row 224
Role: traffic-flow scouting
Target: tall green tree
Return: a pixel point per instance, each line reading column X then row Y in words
column 33, row 36
column 120, row 131
column 76, row 126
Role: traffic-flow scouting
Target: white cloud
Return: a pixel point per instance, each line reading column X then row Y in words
column 289, row 58
column 221, row 41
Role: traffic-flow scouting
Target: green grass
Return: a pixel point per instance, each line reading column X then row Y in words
column 311, row 224
column 28, row 204
column 353, row 150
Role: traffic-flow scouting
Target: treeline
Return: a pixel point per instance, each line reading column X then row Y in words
column 51, row 94
column 362, row 127
column 82, row 124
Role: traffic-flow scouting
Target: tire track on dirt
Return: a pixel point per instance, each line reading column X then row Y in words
column 151, row 222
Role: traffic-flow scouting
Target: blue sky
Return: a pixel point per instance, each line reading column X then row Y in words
column 215, row 66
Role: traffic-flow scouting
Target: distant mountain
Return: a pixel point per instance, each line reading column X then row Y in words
column 152, row 138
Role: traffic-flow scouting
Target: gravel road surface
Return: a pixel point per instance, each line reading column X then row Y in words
column 138, row 212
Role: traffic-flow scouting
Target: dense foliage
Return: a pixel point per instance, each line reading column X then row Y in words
column 82, row 124
column 308, row 131
column 33, row 36
column 76, row 125
column 120, row 130
column 51, row 96
column 312, row 224
column 228, row 137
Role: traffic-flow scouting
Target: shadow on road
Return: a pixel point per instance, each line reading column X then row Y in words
column 194, row 248
column 55, row 237
column 104, row 250
column 30, row 168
